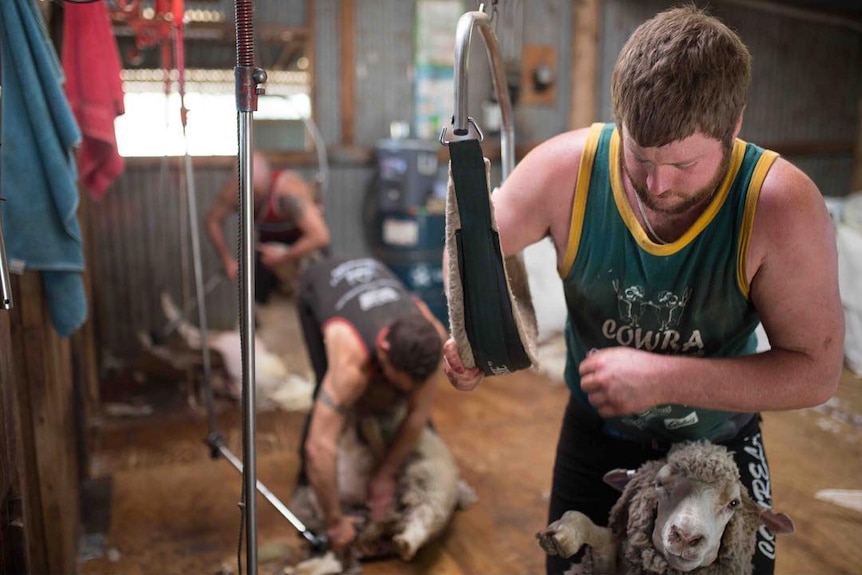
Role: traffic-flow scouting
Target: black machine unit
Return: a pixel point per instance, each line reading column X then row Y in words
column 407, row 172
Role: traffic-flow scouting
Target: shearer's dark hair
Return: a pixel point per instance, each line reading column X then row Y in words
column 414, row 346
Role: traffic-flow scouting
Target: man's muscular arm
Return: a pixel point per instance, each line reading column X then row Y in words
column 222, row 207
column 382, row 485
column 343, row 383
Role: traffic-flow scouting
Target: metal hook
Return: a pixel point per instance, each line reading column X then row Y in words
column 461, row 123
column 455, row 135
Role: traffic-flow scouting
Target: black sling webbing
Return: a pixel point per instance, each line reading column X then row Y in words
column 488, row 315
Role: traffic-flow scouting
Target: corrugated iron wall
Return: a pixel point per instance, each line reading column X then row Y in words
column 547, row 23
column 327, row 71
column 807, row 84
column 384, row 45
column 141, row 249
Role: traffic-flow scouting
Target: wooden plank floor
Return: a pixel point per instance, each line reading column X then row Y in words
column 173, row 509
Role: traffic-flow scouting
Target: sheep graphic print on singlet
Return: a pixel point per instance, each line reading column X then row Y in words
column 688, row 297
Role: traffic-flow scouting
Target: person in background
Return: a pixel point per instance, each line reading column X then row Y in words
column 674, row 239
column 290, row 227
column 376, row 351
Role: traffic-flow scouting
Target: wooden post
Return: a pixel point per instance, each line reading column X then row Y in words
column 586, row 16
column 85, row 366
column 8, row 419
column 311, row 54
column 47, row 462
column 12, row 547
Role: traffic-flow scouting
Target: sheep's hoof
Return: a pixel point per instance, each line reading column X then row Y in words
column 563, row 537
column 548, row 542
column 405, row 550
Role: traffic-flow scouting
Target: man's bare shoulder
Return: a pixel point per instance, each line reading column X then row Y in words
column 291, row 183
column 790, row 201
column 786, row 183
column 791, row 213
column 341, row 337
column 560, row 151
column 553, row 163
column 536, row 199
column 226, row 202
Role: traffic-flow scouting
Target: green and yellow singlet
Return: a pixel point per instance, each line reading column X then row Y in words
column 688, row 297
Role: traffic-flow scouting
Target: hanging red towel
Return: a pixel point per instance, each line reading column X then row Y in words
column 94, row 89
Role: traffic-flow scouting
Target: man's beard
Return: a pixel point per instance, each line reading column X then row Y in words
column 688, row 200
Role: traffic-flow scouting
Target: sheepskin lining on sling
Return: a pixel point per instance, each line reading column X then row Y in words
column 491, row 314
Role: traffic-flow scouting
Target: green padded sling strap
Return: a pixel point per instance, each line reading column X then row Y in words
column 489, row 320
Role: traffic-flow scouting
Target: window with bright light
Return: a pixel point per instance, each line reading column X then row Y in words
column 152, row 126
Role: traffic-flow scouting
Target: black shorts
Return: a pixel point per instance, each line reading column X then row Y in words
column 265, row 281
column 585, row 453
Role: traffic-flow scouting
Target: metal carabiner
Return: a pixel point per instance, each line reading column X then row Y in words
column 472, row 132
column 461, row 122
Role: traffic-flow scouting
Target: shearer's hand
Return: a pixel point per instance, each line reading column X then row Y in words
column 462, row 378
column 620, row 380
column 342, row 532
column 381, row 497
column 272, row 254
column 231, row 268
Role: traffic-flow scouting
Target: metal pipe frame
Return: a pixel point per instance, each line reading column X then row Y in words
column 249, row 450
column 463, row 38
column 318, row 543
column 248, row 79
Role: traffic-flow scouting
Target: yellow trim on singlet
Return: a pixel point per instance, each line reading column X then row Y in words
column 628, row 216
column 754, row 185
column 579, row 205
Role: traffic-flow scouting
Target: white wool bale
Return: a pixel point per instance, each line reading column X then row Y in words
column 546, row 289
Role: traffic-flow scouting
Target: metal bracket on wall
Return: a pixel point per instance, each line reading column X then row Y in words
column 538, row 76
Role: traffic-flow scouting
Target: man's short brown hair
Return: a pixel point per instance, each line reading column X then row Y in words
column 414, row 346
column 680, row 72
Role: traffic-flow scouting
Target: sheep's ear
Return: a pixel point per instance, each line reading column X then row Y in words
column 778, row 523
column 619, row 478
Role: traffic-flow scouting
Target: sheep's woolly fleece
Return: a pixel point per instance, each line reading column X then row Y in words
column 633, row 516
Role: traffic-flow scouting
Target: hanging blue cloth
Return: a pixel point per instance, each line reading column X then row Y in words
column 38, row 176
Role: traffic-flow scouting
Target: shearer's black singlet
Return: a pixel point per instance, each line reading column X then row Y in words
column 362, row 292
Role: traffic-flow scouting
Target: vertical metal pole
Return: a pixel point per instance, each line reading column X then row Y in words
column 200, row 293
column 247, row 318
column 247, row 79
column 191, row 199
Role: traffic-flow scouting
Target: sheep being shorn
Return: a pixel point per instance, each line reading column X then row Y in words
column 688, row 513
column 430, row 490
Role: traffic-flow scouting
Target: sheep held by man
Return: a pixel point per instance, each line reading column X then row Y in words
column 688, row 513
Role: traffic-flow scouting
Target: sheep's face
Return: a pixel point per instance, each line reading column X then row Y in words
column 691, row 517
